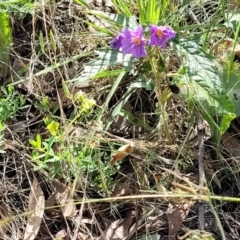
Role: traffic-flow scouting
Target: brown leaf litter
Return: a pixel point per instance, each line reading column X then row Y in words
column 36, row 206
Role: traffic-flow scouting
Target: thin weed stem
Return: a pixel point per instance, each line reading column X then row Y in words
column 161, row 99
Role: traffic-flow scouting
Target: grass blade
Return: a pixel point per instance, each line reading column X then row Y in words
column 5, row 42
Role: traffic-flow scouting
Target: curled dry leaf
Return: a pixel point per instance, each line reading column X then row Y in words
column 121, row 153
column 36, row 206
column 176, row 213
column 178, row 208
column 63, row 196
column 118, row 229
column 49, row 203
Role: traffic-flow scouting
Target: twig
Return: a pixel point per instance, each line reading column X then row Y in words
column 201, row 149
column 193, row 16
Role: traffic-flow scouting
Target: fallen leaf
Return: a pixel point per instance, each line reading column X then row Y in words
column 82, row 236
column 176, row 213
column 121, row 153
column 231, row 144
column 178, row 208
column 64, row 197
column 210, row 172
column 153, row 223
column 118, row 229
column 36, row 206
column 70, row 209
column 122, row 189
column 61, row 235
column 50, row 202
column 232, row 5
column 4, row 214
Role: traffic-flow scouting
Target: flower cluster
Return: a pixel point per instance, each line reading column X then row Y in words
column 133, row 42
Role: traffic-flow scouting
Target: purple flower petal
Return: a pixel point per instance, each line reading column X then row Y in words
column 116, row 43
column 133, row 42
column 160, row 36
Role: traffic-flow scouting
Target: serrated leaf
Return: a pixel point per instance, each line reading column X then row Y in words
column 106, row 58
column 201, row 85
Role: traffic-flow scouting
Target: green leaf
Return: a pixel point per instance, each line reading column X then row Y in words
column 117, row 110
column 53, row 159
column 53, row 41
column 106, row 58
column 201, row 85
column 103, row 29
column 5, row 42
column 81, row 2
column 150, row 11
column 153, row 10
column 122, row 6
column 88, row 104
column 111, row 94
column 10, row 2
column 39, row 141
column 33, row 143
column 53, row 127
column 135, row 120
column 232, row 87
column 111, row 73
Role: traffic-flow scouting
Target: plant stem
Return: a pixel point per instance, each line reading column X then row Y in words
column 162, row 104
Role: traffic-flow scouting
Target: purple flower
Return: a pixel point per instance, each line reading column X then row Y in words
column 116, row 43
column 133, row 42
column 160, row 35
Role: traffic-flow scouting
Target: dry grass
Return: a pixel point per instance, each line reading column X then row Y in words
column 152, row 166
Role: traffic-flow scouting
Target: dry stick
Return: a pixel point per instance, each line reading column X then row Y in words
column 201, row 149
